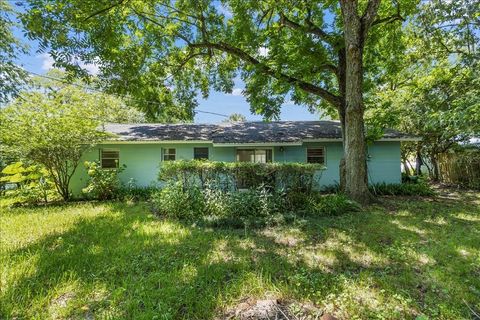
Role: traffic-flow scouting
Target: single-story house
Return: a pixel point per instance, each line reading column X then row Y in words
column 143, row 148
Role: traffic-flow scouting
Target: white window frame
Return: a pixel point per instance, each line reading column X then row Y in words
column 324, row 154
column 256, row 148
column 109, row 150
column 164, row 153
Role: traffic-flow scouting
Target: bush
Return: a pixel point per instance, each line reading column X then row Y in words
column 331, row 205
column 32, row 184
column 252, row 207
column 403, row 189
column 104, row 184
column 231, row 176
column 175, row 201
column 132, row 192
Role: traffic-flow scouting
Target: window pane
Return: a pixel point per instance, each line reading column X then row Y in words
column 109, row 158
column 245, row 155
column 254, row 155
column 316, row 155
column 269, row 155
column 260, row 156
column 109, row 163
column 169, row 157
column 109, row 154
column 200, row 153
column 169, row 154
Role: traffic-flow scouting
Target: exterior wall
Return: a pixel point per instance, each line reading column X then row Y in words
column 143, row 160
column 384, row 164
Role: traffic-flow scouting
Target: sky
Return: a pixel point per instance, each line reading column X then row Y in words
column 217, row 102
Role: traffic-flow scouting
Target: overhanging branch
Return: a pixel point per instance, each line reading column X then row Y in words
column 244, row 56
column 309, row 28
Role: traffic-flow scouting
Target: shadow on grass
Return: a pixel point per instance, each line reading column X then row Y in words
column 131, row 265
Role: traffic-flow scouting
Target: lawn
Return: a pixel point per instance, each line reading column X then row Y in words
column 402, row 258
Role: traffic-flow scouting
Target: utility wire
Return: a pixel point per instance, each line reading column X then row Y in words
column 116, row 95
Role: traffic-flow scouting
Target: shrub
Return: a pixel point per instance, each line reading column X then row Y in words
column 175, row 201
column 131, row 192
column 33, row 184
column 231, row 176
column 104, row 184
column 403, row 189
column 331, row 205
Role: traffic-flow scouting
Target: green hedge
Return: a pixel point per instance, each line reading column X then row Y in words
column 230, row 176
column 252, row 207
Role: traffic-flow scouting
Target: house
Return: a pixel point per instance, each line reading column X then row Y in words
column 143, row 148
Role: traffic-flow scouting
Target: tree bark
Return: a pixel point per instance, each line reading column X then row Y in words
column 418, row 161
column 356, row 175
column 435, row 169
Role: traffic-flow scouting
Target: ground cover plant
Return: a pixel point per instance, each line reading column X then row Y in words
column 403, row 258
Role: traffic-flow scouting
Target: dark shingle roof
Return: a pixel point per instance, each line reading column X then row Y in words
column 241, row 132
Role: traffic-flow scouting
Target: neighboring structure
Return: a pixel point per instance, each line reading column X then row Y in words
column 143, row 147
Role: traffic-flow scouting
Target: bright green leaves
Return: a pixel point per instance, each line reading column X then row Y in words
column 12, row 77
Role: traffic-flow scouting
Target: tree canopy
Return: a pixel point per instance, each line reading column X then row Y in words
column 12, row 77
column 55, row 126
column 167, row 52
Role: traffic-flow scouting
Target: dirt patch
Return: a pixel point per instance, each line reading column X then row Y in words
column 270, row 309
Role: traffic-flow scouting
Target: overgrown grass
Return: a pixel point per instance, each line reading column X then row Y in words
column 401, row 259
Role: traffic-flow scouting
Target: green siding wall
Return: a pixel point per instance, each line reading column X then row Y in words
column 143, row 160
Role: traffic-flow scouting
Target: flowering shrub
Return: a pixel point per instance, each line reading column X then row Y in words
column 104, row 184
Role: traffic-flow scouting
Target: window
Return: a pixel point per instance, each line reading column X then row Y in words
column 169, row 154
column 254, row 155
column 109, row 158
column 200, row 153
column 316, row 155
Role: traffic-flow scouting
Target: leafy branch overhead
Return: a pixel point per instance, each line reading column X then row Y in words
column 154, row 49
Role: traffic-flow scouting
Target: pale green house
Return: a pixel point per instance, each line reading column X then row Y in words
column 143, row 148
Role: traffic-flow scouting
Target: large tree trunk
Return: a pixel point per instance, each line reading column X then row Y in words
column 341, row 75
column 356, row 177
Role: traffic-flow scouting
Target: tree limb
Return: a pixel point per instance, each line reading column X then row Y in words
column 244, row 56
column 103, row 10
column 369, row 16
column 309, row 28
column 395, row 17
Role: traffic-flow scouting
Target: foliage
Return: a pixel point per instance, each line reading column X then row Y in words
column 404, row 189
column 174, row 201
column 52, row 129
column 236, row 117
column 103, row 184
column 33, row 183
column 279, row 49
column 331, row 205
column 130, row 192
column 12, row 76
column 252, row 207
column 435, row 92
column 401, row 260
column 228, row 176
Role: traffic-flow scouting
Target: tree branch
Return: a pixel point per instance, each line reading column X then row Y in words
column 104, row 10
column 395, row 17
column 244, row 56
column 369, row 16
column 309, row 28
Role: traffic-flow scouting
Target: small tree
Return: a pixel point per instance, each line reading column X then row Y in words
column 236, row 117
column 53, row 129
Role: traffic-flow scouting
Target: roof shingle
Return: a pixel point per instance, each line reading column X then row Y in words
column 240, row 132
